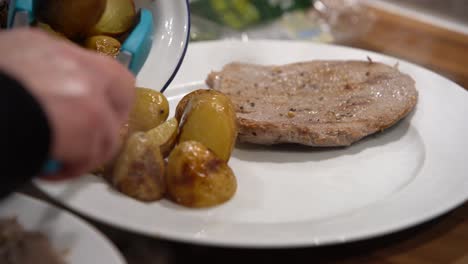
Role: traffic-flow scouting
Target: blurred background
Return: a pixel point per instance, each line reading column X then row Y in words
column 318, row 20
column 431, row 33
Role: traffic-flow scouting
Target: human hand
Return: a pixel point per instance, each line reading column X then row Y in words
column 86, row 96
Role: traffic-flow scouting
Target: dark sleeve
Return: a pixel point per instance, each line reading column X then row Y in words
column 25, row 135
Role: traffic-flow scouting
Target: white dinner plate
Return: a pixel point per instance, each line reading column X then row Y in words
column 79, row 242
column 299, row 196
column 170, row 41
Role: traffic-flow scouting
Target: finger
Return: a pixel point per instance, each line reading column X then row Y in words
column 67, row 172
column 107, row 139
column 86, row 150
column 118, row 81
column 121, row 91
column 77, row 167
column 122, row 95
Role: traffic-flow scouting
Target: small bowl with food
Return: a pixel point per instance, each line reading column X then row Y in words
column 128, row 30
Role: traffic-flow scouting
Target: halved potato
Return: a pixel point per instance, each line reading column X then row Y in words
column 118, row 17
column 72, row 18
column 196, row 177
column 151, row 109
column 139, row 169
column 182, row 105
column 104, row 45
column 164, row 136
column 209, row 118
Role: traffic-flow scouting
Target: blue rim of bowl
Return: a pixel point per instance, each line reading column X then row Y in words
column 187, row 39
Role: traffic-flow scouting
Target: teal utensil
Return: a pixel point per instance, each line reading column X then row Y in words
column 21, row 13
column 137, row 46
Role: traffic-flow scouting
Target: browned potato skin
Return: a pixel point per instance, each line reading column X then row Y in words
column 139, row 170
column 70, row 17
column 151, row 109
column 104, row 45
column 209, row 117
column 197, row 178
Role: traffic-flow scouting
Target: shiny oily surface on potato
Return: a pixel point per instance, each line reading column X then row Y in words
column 197, row 178
column 139, row 169
column 208, row 117
column 118, row 17
column 74, row 19
column 150, row 109
column 104, row 45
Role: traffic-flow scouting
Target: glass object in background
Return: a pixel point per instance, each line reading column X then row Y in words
column 313, row 20
column 256, row 19
column 241, row 14
column 346, row 19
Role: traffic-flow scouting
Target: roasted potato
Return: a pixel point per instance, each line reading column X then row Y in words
column 164, row 136
column 209, row 118
column 151, row 109
column 196, row 177
column 72, row 18
column 118, row 17
column 103, row 44
column 182, row 105
column 139, row 169
column 50, row 30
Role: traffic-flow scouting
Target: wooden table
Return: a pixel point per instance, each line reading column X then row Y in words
column 440, row 241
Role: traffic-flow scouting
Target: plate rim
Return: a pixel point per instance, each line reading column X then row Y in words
column 304, row 42
column 210, row 241
column 184, row 51
column 93, row 231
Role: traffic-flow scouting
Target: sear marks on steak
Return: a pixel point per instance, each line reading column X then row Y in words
column 315, row 103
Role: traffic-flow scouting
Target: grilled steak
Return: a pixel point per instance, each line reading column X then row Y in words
column 316, row 103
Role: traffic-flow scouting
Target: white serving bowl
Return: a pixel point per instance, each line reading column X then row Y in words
column 170, row 40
